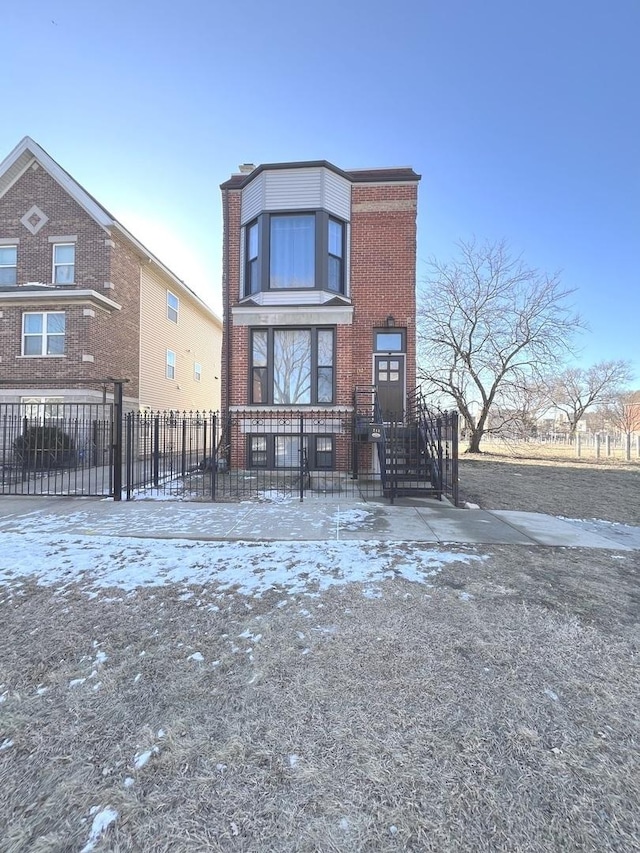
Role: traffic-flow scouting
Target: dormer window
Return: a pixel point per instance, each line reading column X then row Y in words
column 294, row 251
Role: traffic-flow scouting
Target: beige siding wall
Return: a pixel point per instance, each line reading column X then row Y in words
column 197, row 337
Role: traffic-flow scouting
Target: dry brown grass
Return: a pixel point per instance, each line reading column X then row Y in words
column 493, row 711
column 566, row 487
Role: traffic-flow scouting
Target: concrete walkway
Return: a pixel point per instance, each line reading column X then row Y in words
column 414, row 520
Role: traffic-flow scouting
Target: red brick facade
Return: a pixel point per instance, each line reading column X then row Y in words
column 382, row 269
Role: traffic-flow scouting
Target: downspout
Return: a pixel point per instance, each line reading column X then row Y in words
column 227, row 302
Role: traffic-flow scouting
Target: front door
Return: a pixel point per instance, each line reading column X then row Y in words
column 389, row 379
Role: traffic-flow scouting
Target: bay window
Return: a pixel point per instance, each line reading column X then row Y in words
column 294, row 251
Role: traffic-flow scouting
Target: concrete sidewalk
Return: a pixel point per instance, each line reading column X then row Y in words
column 413, row 520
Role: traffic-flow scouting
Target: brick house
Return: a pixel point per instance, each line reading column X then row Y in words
column 82, row 300
column 319, row 274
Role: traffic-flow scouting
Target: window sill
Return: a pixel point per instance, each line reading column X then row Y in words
column 56, row 355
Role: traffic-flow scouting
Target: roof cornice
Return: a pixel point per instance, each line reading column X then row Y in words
column 382, row 175
column 41, row 294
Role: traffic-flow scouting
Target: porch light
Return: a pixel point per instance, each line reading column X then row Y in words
column 391, row 321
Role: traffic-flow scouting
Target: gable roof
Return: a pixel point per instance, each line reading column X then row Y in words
column 356, row 176
column 27, row 151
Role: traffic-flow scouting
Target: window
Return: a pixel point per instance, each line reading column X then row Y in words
column 324, row 452
column 292, row 366
column 335, row 269
column 40, row 410
column 389, row 340
column 171, row 364
column 64, row 260
column 294, row 251
column 197, row 371
column 283, row 451
column 43, row 333
column 253, row 280
column 173, row 304
column 8, row 264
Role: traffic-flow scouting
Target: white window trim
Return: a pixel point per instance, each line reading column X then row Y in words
column 171, row 308
column 55, row 265
column 44, row 335
column 170, row 364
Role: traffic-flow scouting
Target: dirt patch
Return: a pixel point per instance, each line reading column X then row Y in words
column 495, row 710
column 566, row 488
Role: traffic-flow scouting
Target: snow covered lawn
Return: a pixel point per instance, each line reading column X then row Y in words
column 345, row 696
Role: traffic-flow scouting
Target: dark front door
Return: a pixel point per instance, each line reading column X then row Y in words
column 389, row 379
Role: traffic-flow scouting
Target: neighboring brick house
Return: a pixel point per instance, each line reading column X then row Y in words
column 82, row 300
column 319, row 274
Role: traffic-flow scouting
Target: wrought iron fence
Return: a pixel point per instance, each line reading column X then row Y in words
column 89, row 449
column 56, row 449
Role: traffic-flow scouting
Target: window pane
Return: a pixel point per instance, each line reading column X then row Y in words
column 325, row 348
column 324, row 452
column 8, row 255
column 259, row 385
column 325, row 385
column 292, row 257
column 334, row 274
column 55, row 323
column 389, row 341
column 287, row 451
column 55, row 344
column 258, row 451
column 335, row 238
column 33, row 345
column 252, row 249
column 254, row 284
column 8, row 275
column 291, row 366
column 260, row 349
column 33, row 323
column 173, row 304
column 64, row 275
column 64, row 254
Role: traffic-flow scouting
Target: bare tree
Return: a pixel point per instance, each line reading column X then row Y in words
column 577, row 389
column 623, row 411
column 488, row 325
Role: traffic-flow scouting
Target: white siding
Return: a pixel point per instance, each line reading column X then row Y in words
column 337, row 195
column 297, row 189
column 293, row 189
column 312, row 296
column 252, row 199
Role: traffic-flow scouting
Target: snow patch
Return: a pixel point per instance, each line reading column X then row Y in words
column 102, row 821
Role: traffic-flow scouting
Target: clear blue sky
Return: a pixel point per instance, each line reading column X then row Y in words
column 523, row 116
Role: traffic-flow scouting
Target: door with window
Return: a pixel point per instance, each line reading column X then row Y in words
column 389, row 379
